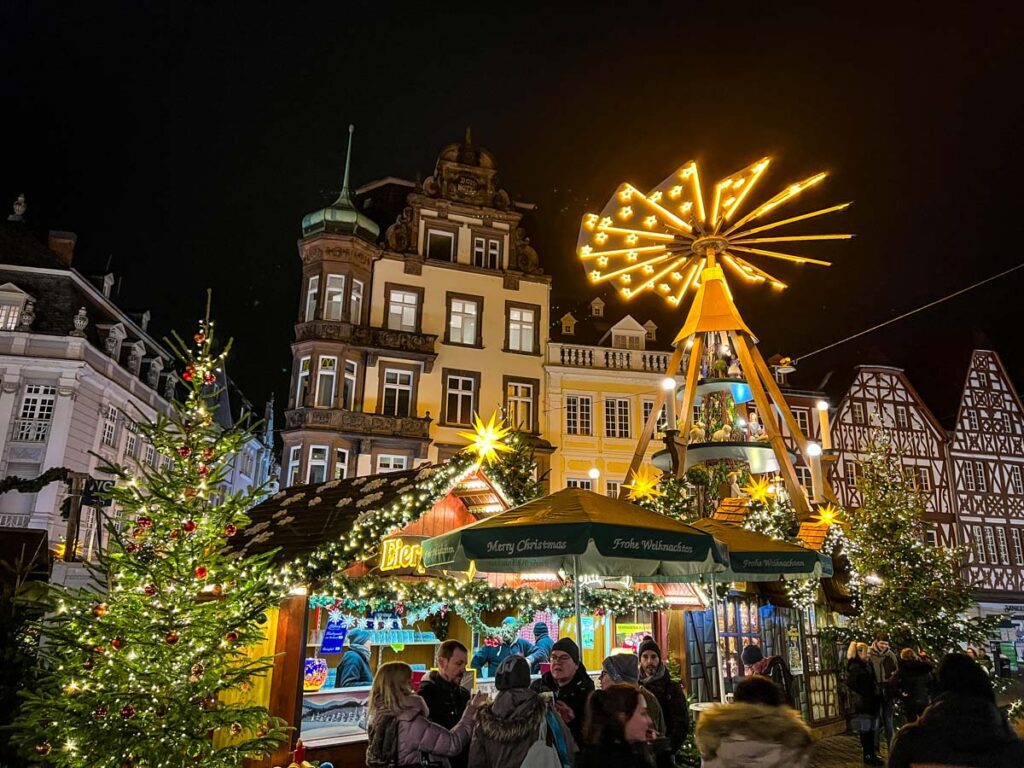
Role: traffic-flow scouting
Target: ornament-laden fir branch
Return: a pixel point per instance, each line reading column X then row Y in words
column 134, row 677
column 906, row 587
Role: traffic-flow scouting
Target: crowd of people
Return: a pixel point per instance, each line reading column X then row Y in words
column 949, row 709
column 637, row 716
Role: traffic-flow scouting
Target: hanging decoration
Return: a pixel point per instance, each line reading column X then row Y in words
column 644, row 484
column 34, row 485
column 488, row 439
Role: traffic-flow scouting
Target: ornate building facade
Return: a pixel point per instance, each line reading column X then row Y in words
column 77, row 374
column 400, row 339
column 987, row 453
column 884, row 397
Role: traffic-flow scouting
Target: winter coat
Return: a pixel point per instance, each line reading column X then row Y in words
column 654, row 711
column 674, row 708
column 354, row 668
column 417, row 735
column 574, row 694
column 884, row 665
column 446, row 701
column 864, row 699
column 745, row 735
column 507, row 728
column 618, row 754
column 958, row 730
column 487, row 657
column 542, row 652
column 914, row 682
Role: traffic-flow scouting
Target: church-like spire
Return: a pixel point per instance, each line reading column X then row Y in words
column 342, row 216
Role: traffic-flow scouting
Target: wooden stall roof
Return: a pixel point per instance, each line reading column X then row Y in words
column 299, row 519
column 812, row 535
column 733, row 510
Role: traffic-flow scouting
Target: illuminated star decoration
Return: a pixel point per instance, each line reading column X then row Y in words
column 487, row 440
column 644, row 485
column 760, row 490
column 661, row 241
column 828, row 515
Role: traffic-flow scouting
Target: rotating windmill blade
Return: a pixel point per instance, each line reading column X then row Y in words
column 661, row 241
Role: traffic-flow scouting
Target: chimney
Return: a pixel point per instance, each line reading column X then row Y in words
column 63, row 244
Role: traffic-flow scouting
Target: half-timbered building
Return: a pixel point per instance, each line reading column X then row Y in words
column 881, row 396
column 987, row 455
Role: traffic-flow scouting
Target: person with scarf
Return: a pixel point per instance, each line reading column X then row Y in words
column 508, row 727
column 355, row 664
column 669, row 693
column 569, row 683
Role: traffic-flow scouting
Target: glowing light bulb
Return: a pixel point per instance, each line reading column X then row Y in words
column 594, row 473
column 601, row 238
column 650, row 221
column 675, row 192
column 626, row 212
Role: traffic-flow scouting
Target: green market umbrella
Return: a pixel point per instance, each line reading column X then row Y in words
column 581, row 531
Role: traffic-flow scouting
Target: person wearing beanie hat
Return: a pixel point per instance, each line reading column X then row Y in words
column 623, row 667
column 354, row 668
column 773, row 667
column 542, row 642
column 655, row 678
column 962, row 725
column 569, row 682
column 487, row 657
column 508, row 727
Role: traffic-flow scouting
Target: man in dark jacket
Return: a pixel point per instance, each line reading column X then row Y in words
column 962, row 726
column 488, row 657
column 355, row 664
column 542, row 643
column 774, row 668
column 569, row 682
column 884, row 664
column 656, row 679
column 914, row 679
column 442, row 690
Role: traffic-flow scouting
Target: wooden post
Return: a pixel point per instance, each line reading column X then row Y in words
column 689, row 398
column 289, row 668
column 764, row 408
column 652, row 421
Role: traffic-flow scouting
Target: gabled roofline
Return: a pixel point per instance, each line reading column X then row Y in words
column 937, row 428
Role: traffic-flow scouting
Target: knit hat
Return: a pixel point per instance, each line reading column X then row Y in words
column 358, row 637
column 540, row 629
column 513, row 672
column 623, row 668
column 648, row 645
column 751, row 655
column 568, row 645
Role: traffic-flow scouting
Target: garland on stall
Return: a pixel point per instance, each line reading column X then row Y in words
column 470, row 599
column 24, row 485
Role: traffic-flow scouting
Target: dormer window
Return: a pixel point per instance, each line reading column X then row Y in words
column 440, row 245
column 627, row 341
column 486, row 252
column 115, row 336
column 108, row 284
column 597, row 308
column 12, row 303
column 651, row 329
column 568, row 324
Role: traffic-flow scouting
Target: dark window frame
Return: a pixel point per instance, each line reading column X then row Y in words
column 475, row 376
column 451, row 296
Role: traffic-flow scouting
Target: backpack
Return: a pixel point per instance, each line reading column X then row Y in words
column 382, row 745
column 542, row 753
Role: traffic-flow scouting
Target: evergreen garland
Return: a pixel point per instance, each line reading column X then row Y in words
column 23, row 485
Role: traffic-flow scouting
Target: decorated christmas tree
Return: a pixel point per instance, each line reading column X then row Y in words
column 150, row 667
column 906, row 587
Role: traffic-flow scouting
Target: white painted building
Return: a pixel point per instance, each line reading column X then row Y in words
column 76, row 375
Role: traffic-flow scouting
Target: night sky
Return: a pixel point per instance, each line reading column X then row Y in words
column 183, row 142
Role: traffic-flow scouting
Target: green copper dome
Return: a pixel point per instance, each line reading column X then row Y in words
column 342, row 216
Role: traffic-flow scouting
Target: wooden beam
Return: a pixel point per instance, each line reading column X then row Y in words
column 652, row 421
column 764, row 408
column 289, row 667
column 689, row 398
column 775, row 393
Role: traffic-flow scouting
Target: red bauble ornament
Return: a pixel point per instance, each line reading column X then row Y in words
column 200, row 337
column 131, row 547
column 202, row 572
column 210, row 702
column 149, row 589
column 138, row 533
column 117, row 643
column 100, row 712
column 172, row 637
column 43, row 748
column 127, row 711
column 144, row 522
column 230, row 530
column 231, row 636
column 207, row 454
column 209, row 378
column 100, row 649
column 189, row 373
column 190, row 493
column 88, row 664
column 175, row 533
column 189, row 526
column 236, row 728
column 184, row 451
column 99, row 610
column 203, row 470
